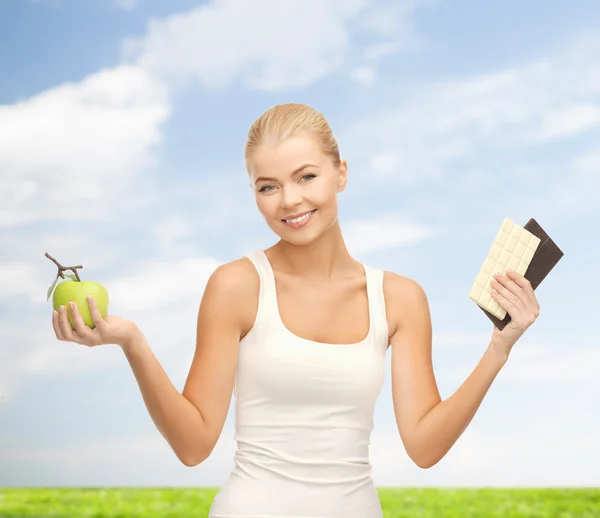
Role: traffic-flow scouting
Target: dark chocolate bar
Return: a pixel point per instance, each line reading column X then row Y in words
column 544, row 259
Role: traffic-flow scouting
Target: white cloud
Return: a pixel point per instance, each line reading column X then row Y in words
column 146, row 460
column 20, row 279
column 364, row 76
column 385, row 163
column 481, row 458
column 580, row 186
column 157, row 284
column 555, row 365
column 453, row 340
column 171, row 231
column 419, row 136
column 529, row 362
column 77, row 150
column 587, row 164
column 127, row 5
column 383, row 232
column 391, row 22
column 280, row 45
column 567, row 120
column 379, row 50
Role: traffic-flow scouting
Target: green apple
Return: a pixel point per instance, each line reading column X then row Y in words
column 78, row 291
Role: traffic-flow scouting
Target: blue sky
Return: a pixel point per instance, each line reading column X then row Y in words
column 122, row 126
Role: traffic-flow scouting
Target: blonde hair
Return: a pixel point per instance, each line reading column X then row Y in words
column 285, row 120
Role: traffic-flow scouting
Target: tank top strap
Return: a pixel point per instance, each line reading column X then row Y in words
column 259, row 260
column 267, row 299
column 377, row 309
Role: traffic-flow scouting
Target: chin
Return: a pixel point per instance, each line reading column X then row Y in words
column 294, row 237
column 297, row 240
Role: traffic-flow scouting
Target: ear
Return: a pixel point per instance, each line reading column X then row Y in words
column 343, row 176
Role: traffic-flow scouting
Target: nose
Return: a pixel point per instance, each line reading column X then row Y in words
column 290, row 196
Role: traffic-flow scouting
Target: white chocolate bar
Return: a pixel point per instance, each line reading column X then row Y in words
column 512, row 249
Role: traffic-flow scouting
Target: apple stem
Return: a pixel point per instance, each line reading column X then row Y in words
column 62, row 268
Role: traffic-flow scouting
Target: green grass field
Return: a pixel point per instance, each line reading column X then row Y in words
column 396, row 503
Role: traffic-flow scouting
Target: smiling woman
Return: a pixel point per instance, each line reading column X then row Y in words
column 299, row 332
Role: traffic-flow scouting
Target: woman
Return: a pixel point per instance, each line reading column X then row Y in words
column 303, row 329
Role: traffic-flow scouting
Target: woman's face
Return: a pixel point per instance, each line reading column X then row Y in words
column 296, row 186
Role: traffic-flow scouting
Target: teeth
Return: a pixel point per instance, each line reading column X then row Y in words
column 301, row 218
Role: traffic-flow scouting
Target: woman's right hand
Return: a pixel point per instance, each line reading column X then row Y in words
column 109, row 330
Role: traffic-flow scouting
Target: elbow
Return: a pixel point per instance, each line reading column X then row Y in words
column 190, row 462
column 194, row 459
column 197, row 454
column 422, row 459
column 424, row 463
column 424, row 453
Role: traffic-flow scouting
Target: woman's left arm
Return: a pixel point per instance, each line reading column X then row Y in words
column 428, row 425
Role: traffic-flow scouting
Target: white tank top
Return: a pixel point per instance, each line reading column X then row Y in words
column 304, row 416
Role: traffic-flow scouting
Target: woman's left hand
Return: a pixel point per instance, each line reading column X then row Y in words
column 514, row 293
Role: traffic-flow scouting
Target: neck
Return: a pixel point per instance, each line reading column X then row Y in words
column 323, row 259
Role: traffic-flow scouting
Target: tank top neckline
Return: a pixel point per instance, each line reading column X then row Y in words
column 272, row 286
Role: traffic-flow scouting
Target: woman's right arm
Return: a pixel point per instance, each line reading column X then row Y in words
column 192, row 421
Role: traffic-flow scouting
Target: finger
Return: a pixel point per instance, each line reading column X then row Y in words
column 506, row 293
column 505, row 303
column 56, row 325
column 65, row 327
column 95, row 313
column 519, row 313
column 523, row 283
column 80, row 326
column 502, row 300
column 528, row 292
column 525, row 300
column 509, row 284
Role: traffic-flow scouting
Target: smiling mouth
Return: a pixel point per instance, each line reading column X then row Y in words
column 299, row 219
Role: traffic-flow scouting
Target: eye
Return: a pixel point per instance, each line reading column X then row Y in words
column 264, row 188
column 310, row 176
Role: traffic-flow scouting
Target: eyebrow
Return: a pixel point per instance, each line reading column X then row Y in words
column 295, row 171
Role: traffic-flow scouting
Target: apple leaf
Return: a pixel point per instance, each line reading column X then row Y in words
column 71, row 276
column 51, row 288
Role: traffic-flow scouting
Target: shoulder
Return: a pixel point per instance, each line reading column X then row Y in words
column 237, row 276
column 235, row 286
column 404, row 297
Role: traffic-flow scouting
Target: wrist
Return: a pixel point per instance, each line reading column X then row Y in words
column 499, row 355
column 133, row 341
